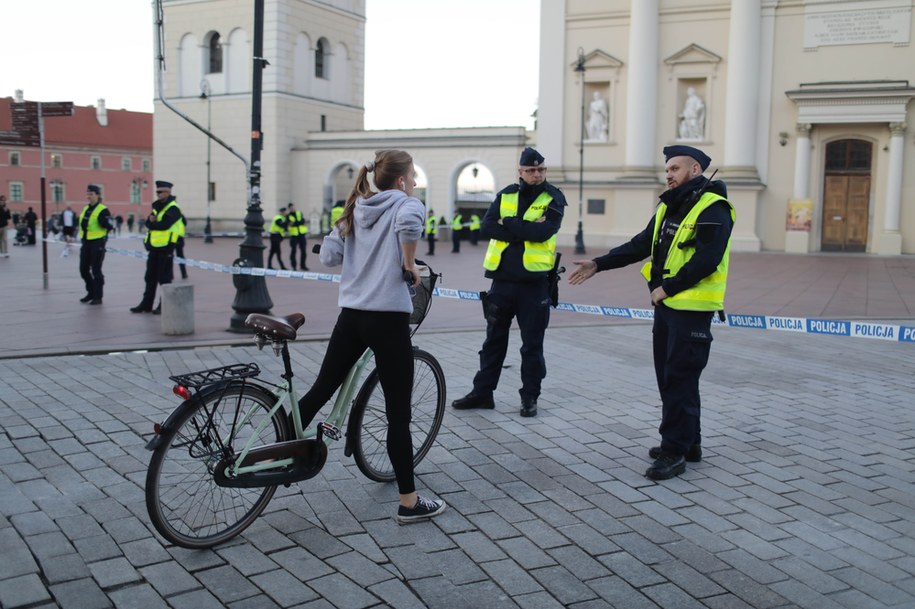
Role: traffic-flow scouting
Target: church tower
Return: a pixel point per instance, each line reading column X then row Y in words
column 314, row 82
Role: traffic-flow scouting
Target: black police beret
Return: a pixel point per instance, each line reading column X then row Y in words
column 530, row 158
column 703, row 159
column 164, row 184
column 94, row 188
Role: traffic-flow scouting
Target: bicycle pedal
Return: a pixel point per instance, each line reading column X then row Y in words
column 331, row 431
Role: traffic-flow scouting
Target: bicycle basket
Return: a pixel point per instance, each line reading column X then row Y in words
column 422, row 293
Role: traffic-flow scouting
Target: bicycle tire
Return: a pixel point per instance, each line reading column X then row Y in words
column 185, row 504
column 428, row 408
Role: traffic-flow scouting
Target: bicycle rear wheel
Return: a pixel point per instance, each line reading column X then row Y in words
column 185, row 504
column 370, row 448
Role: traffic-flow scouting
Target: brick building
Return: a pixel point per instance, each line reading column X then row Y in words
column 111, row 148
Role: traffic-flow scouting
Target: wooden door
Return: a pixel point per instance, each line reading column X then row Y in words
column 846, row 196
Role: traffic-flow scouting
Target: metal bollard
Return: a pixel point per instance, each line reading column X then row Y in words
column 177, row 309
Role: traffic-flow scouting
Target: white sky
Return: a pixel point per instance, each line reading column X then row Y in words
column 428, row 63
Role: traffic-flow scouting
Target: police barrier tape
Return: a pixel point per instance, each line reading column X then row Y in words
column 804, row 325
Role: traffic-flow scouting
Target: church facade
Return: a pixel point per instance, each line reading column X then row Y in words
column 803, row 105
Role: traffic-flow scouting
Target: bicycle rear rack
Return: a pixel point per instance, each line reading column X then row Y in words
column 195, row 380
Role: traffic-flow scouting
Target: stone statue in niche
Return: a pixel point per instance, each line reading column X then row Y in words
column 598, row 119
column 692, row 119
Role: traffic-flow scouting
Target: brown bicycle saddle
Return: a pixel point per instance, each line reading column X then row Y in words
column 282, row 328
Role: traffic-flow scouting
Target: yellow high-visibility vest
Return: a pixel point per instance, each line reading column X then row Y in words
column 708, row 293
column 474, row 222
column 538, row 256
column 162, row 238
column 276, row 226
column 456, row 222
column 335, row 214
column 294, row 219
column 432, row 225
column 94, row 230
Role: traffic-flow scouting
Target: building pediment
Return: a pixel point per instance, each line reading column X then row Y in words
column 852, row 102
column 692, row 54
column 600, row 66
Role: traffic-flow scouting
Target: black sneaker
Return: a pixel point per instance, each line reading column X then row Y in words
column 473, row 400
column 528, row 407
column 666, row 467
column 85, row 298
column 694, row 455
column 423, row 510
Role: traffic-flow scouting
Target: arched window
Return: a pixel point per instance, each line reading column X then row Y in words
column 214, row 65
column 321, row 59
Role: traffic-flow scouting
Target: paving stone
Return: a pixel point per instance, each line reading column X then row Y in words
column 285, row 589
column 247, row 559
column 57, row 569
column 99, row 547
column 169, row 578
column 80, row 594
column 22, row 591
column 341, row 591
column 360, row 569
column 137, row 597
column 198, row 599
column 114, row 572
column 439, row 593
column 302, row 564
column 226, row 584
column 395, row 594
column 562, row 584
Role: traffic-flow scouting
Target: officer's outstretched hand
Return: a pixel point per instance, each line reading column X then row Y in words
column 586, row 269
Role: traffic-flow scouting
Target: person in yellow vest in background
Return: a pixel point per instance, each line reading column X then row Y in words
column 335, row 213
column 163, row 226
column 277, row 232
column 179, row 246
column 297, row 229
column 431, row 231
column 457, row 228
column 687, row 242
column 94, row 224
column 474, row 229
column 521, row 225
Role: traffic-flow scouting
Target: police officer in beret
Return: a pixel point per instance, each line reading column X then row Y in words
column 521, row 225
column 94, row 224
column 687, row 243
column 164, row 226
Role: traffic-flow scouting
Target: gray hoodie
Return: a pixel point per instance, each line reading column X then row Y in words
column 372, row 276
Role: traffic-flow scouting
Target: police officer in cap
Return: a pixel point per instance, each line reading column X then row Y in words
column 521, row 224
column 94, row 224
column 687, row 243
column 163, row 227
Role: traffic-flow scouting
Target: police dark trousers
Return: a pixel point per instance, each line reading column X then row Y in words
column 430, row 238
column 159, row 271
column 388, row 335
column 275, row 240
column 91, row 257
column 681, row 342
column 297, row 242
column 530, row 302
column 179, row 252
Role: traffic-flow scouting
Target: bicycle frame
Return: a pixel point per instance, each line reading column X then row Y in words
column 285, row 393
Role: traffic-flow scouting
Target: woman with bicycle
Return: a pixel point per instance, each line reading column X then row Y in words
column 375, row 241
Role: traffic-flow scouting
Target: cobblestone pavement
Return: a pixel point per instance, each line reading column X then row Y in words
column 805, row 496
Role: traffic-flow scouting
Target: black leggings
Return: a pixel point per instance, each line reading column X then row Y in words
column 387, row 334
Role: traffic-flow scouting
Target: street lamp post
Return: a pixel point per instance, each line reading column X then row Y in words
column 205, row 94
column 580, row 235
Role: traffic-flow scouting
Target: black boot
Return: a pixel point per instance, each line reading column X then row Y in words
column 693, row 455
column 666, row 467
column 473, row 400
column 528, row 407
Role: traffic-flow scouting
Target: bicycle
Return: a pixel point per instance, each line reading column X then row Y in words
column 220, row 456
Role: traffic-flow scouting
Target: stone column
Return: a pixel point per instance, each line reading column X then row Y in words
column 802, row 162
column 740, row 120
column 798, row 241
column 891, row 239
column 642, row 90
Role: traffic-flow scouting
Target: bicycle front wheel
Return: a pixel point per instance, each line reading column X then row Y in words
column 427, row 404
column 185, row 504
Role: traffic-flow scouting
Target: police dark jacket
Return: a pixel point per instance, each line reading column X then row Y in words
column 171, row 216
column 713, row 235
column 516, row 231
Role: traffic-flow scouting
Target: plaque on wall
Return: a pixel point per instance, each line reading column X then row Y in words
column 842, row 23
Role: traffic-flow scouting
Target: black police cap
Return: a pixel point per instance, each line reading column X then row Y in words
column 703, row 159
